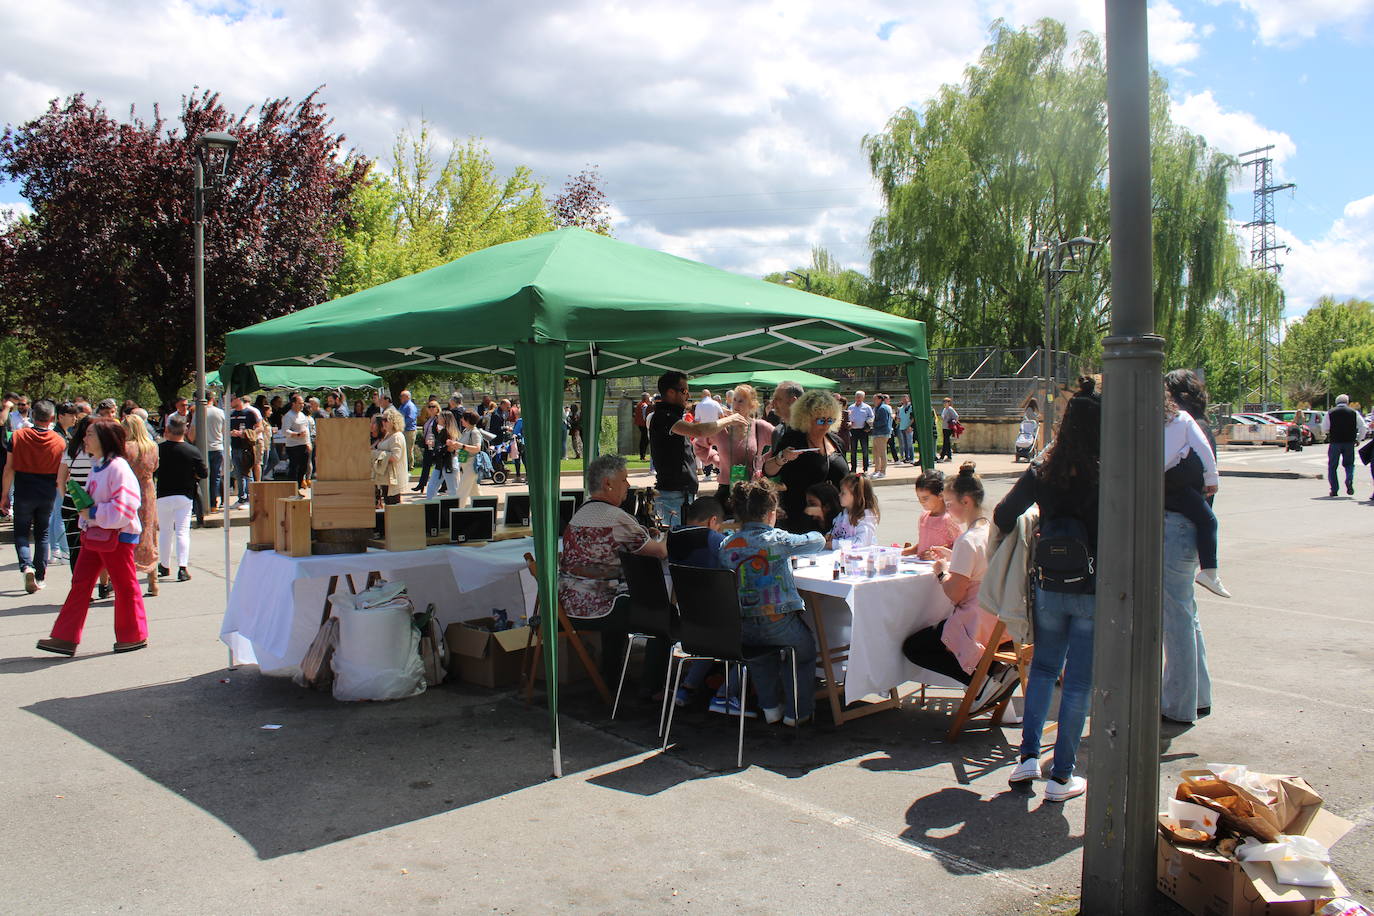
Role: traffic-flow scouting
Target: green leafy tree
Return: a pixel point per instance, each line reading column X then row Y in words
column 426, row 211
column 1014, row 156
column 825, row 276
column 1311, row 340
column 1351, row 372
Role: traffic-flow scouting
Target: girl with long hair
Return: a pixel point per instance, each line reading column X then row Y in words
column 141, row 452
column 1064, row 485
column 110, row 531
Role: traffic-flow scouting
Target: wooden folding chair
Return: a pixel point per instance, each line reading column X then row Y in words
column 1019, row 655
column 565, row 631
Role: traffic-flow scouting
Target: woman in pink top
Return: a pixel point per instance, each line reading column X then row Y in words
column 937, row 527
column 743, row 444
column 954, row 646
column 110, row 533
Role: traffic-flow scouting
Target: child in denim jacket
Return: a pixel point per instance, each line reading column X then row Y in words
column 769, row 601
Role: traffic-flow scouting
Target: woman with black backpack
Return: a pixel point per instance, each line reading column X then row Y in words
column 1064, row 485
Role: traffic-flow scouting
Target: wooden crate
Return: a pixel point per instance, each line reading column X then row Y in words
column 343, row 448
column 405, row 527
column 293, row 527
column 342, row 504
column 262, row 511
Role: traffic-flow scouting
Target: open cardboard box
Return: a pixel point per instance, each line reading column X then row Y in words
column 1206, row 883
column 480, row 656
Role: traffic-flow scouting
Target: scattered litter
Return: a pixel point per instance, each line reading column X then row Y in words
column 405, row 871
column 59, row 796
column 271, row 726
column 224, row 680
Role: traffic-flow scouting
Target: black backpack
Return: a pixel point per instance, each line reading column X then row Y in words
column 1063, row 559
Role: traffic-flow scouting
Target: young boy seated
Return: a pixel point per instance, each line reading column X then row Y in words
column 697, row 542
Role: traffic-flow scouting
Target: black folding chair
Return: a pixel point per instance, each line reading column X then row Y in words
column 712, row 629
column 651, row 614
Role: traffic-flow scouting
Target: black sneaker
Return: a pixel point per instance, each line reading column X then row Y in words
column 162, row 571
column 104, row 591
column 1349, row 489
column 183, row 575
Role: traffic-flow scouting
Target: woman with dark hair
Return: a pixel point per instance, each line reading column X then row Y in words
column 1064, row 485
column 110, row 533
column 76, row 465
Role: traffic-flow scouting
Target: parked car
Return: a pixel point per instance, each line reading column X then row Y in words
column 1311, row 423
column 1250, row 429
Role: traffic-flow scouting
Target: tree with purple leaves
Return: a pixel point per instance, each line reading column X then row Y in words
column 102, row 270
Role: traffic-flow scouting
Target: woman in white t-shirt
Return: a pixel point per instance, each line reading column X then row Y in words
column 954, row 645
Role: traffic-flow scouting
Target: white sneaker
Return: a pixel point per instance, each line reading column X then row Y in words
column 1027, row 770
column 772, row 715
column 30, row 581
column 1209, row 580
column 793, row 723
column 39, row 584
column 1056, row 791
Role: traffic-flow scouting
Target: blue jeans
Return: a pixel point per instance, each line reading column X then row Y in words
column 216, row 477
column 438, row 478
column 1186, row 687
column 34, row 495
column 1338, row 453
column 1063, row 641
column 905, row 447
column 669, row 505
column 767, row 670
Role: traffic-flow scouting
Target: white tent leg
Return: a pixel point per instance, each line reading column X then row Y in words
column 224, row 504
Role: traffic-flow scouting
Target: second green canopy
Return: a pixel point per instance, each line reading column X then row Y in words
column 765, row 379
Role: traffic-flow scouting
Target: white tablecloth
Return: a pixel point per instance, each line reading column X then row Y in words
column 276, row 601
column 874, row 616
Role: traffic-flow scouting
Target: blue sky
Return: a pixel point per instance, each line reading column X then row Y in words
column 725, row 131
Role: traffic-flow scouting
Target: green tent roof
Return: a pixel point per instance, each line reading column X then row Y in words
column 305, row 377
column 622, row 310
column 765, row 378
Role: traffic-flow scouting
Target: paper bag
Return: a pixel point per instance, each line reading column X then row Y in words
column 1294, row 801
column 1241, row 813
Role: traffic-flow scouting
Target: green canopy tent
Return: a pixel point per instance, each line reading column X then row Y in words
column 574, row 303
column 765, row 379
column 308, row 378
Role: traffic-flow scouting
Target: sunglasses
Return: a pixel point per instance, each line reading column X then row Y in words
column 824, row 421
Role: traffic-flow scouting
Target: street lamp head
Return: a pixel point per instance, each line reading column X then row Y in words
column 218, row 140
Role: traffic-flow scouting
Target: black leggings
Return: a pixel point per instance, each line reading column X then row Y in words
column 1192, row 505
column 298, row 463
column 857, row 438
column 925, row 648
column 946, row 447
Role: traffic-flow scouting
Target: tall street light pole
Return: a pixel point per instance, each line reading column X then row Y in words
column 1054, row 271
column 1123, row 775
column 204, row 144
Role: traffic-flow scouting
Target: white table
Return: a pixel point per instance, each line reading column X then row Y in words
column 860, row 624
column 276, row 602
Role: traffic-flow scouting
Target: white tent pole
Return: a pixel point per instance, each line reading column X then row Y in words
column 224, row 499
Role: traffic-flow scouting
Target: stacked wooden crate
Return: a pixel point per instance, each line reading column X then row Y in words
column 342, row 496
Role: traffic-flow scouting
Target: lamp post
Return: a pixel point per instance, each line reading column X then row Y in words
column 1053, row 252
column 204, row 145
column 804, row 277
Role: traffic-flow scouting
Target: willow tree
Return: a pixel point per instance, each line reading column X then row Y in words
column 1014, row 156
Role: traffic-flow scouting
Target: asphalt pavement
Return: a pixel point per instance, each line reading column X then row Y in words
column 147, row 783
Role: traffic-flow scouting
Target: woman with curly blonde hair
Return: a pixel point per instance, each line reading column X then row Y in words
column 389, row 471
column 808, row 453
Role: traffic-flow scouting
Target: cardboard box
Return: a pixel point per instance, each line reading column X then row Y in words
column 1206, row 883
column 342, row 504
column 479, row 656
column 343, row 448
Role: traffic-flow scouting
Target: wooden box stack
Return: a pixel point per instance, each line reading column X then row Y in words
column 263, row 519
column 405, row 527
column 293, row 527
column 343, row 495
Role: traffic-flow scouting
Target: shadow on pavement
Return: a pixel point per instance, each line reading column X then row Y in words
column 972, row 832
column 907, row 739
column 333, row 770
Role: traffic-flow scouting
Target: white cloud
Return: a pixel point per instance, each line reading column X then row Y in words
column 1287, row 22
column 1173, row 39
column 1230, row 131
column 11, row 213
column 1340, row 263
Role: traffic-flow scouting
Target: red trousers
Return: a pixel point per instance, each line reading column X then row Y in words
column 130, row 622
